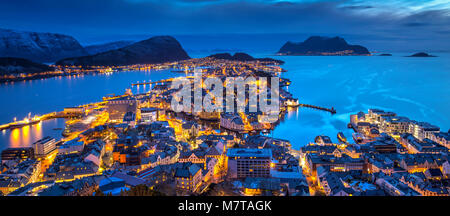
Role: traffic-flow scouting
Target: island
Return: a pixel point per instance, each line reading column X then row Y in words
column 239, row 56
column 421, row 54
column 385, row 54
column 322, row 46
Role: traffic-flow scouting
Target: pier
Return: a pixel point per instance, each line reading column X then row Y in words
column 161, row 81
column 150, row 82
column 331, row 110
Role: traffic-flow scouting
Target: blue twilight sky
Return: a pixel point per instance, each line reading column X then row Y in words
column 411, row 23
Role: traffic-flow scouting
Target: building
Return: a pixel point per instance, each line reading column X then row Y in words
column 343, row 163
column 232, row 122
column 244, row 163
column 190, row 129
column 188, row 177
column 395, row 187
column 415, row 146
column 74, row 111
column 129, row 118
column 44, row 146
column 17, row 153
column 442, row 138
column 422, row 130
column 70, row 167
column 254, row 186
column 71, row 146
column 374, row 115
column 383, row 144
column 79, row 187
column 26, row 171
column 333, row 186
column 197, row 156
column 118, row 107
column 149, row 114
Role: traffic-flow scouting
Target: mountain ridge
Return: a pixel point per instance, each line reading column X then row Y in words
column 12, row 65
column 38, row 46
column 103, row 47
column 158, row 49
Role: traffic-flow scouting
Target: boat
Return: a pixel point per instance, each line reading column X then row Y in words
column 341, row 137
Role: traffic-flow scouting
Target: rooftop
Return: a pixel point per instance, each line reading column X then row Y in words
column 242, row 152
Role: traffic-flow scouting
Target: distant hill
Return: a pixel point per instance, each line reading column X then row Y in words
column 157, row 49
column 99, row 48
column 9, row 65
column 243, row 57
column 421, row 54
column 38, row 47
column 317, row 45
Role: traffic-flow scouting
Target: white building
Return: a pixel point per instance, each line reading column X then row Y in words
column 149, row 114
column 71, row 146
column 422, row 130
column 44, row 146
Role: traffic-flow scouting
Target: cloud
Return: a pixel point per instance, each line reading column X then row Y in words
column 358, row 7
column 86, row 18
column 415, row 24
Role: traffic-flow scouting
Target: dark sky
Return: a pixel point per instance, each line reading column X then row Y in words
column 411, row 23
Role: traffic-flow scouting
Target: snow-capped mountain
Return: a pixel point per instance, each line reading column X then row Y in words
column 39, row 47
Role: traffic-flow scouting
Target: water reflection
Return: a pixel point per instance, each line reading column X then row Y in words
column 53, row 94
column 15, row 138
column 27, row 135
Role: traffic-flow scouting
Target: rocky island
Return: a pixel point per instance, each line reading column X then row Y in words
column 157, row 49
column 320, row 46
column 421, row 54
column 239, row 56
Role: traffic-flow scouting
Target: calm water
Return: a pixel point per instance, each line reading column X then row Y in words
column 53, row 94
column 413, row 87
